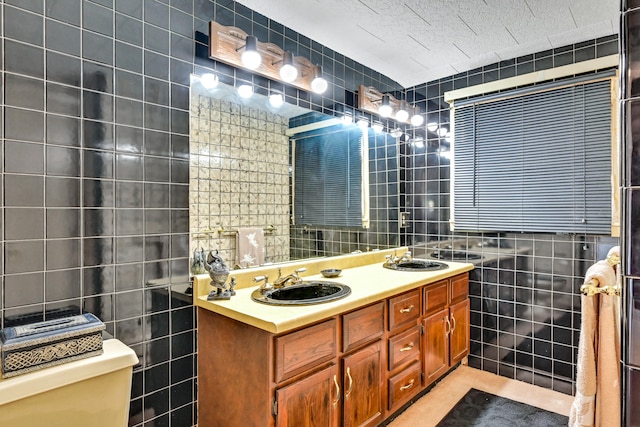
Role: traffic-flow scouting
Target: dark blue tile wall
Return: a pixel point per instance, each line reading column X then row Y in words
column 94, row 169
column 525, row 309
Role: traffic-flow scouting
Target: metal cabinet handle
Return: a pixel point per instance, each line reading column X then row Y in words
column 406, row 309
column 447, row 324
column 335, row 381
column 407, row 347
column 453, row 319
column 350, row 383
column 407, row 386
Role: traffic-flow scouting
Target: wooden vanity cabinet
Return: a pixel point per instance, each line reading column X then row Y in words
column 445, row 325
column 353, row 369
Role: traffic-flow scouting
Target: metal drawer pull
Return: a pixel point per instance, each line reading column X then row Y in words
column 335, row 381
column 407, row 309
column 408, row 347
column 407, row 386
column 447, row 324
column 350, row 383
column 453, row 319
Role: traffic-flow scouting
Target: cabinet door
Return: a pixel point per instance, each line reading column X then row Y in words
column 313, row 401
column 363, row 383
column 459, row 336
column 436, row 345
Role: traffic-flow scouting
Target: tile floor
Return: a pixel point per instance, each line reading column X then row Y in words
column 448, row 392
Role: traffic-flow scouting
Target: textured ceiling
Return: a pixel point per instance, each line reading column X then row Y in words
column 416, row 41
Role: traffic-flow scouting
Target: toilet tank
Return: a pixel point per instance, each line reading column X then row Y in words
column 89, row 392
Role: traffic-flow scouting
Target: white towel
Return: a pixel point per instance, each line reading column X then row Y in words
column 250, row 247
column 583, row 410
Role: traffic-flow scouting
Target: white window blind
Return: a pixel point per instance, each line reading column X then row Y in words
column 535, row 162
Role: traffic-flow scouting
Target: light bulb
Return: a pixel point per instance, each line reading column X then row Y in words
column 318, row 84
column 403, row 113
column 417, row 119
column 209, row 80
column 288, row 72
column 442, row 131
column 276, row 100
column 251, row 57
column 245, row 91
column 385, row 109
column 432, row 126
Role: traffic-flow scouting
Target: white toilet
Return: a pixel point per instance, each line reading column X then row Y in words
column 89, row 392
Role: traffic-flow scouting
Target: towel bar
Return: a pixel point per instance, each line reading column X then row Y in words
column 591, row 288
column 270, row 229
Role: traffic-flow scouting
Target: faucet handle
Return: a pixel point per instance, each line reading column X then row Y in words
column 301, row 270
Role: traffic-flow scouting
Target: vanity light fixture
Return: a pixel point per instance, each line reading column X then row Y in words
column 385, row 109
column 318, row 84
column 231, row 45
column 416, row 118
column 276, row 100
column 403, row 112
column 288, row 72
column 251, row 58
column 245, row 90
column 209, row 80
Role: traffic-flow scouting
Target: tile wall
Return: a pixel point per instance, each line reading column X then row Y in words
column 525, row 309
column 239, row 176
column 95, row 169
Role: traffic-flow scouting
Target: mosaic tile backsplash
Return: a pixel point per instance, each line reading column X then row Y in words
column 239, row 176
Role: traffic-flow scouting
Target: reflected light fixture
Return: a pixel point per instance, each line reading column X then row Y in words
column 416, row 118
column 385, row 109
column 363, row 122
column 209, row 80
column 318, row 84
column 347, row 118
column 377, row 127
column 251, row 57
column 245, row 90
column 276, row 100
column 396, row 133
column 432, row 126
column 442, row 131
column 288, row 72
column 403, row 112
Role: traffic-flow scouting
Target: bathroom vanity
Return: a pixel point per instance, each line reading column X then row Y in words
column 349, row 362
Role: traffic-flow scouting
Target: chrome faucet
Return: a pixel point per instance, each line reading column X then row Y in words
column 393, row 260
column 291, row 279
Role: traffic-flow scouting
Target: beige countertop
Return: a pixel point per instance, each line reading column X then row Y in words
column 368, row 283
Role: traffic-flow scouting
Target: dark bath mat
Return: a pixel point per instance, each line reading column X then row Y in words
column 480, row 409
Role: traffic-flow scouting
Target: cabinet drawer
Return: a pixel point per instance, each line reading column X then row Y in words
column 404, row 309
column 435, row 296
column 304, row 349
column 404, row 347
column 362, row 326
column 459, row 288
column 404, row 385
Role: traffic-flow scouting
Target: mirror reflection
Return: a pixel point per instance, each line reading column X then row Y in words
column 240, row 179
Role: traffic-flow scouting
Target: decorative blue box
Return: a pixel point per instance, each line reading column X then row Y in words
column 39, row 345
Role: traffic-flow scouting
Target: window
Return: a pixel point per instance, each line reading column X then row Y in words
column 329, row 189
column 540, row 161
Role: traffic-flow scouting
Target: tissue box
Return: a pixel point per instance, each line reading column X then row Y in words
column 35, row 346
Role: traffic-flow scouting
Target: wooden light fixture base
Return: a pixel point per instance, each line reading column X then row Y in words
column 226, row 44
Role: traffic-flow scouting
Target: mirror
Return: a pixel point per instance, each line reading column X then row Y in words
column 240, row 173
